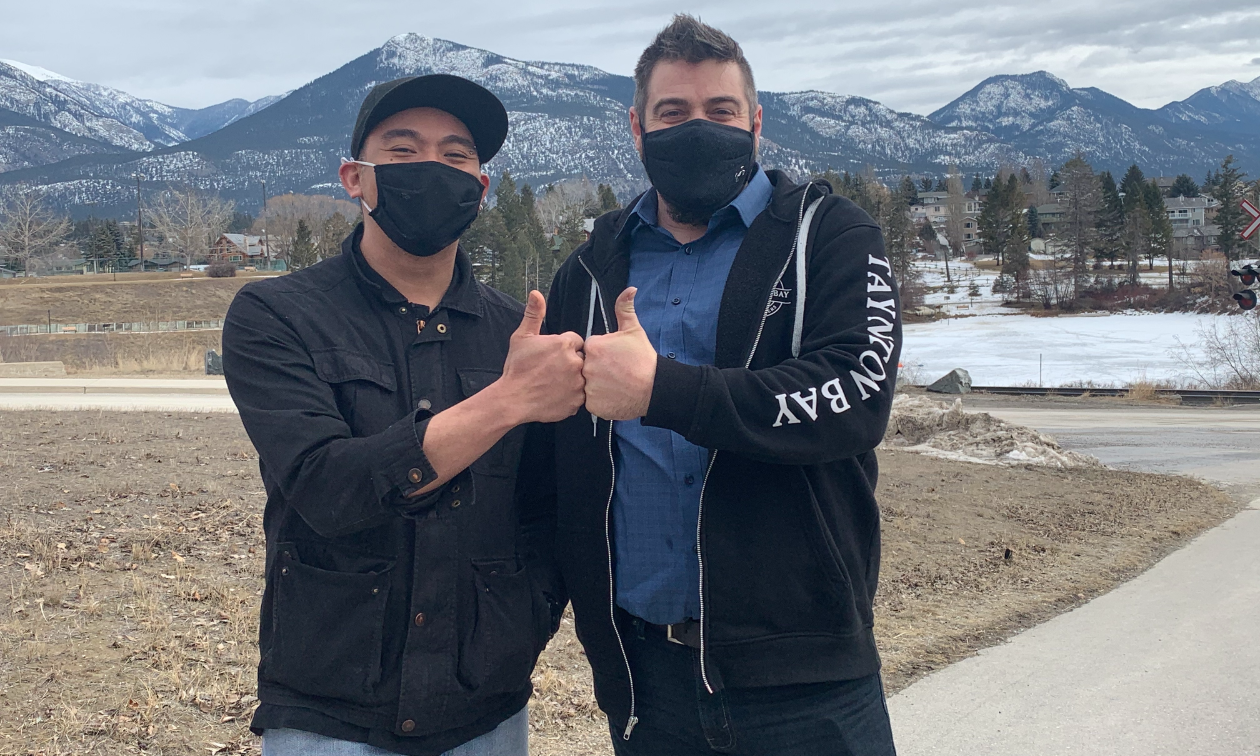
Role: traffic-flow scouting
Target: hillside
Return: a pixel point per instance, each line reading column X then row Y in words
column 97, row 299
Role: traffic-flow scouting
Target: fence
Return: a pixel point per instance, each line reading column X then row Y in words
column 161, row 326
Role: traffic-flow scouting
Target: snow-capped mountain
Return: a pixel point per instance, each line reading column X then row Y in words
column 39, row 108
column 570, row 120
column 1040, row 114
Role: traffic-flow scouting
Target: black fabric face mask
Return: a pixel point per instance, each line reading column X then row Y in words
column 423, row 207
column 699, row 166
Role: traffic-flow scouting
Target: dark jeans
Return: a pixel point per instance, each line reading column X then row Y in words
column 678, row 717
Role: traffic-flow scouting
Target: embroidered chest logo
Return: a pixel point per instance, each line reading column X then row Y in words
column 779, row 298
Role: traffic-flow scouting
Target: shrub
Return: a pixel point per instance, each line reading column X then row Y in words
column 221, row 270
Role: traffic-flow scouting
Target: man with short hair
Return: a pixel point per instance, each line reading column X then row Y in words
column 718, row 530
column 409, row 586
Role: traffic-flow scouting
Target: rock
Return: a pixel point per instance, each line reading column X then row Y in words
column 214, row 363
column 956, row 381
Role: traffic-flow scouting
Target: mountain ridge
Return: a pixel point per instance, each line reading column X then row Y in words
column 569, row 119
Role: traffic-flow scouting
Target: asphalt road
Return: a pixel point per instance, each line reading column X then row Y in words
column 1167, row 663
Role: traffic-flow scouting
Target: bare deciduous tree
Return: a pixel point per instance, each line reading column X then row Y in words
column 956, row 204
column 564, row 201
column 28, row 227
column 280, row 220
column 189, row 221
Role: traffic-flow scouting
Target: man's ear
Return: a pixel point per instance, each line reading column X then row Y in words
column 756, row 128
column 636, row 130
column 351, row 179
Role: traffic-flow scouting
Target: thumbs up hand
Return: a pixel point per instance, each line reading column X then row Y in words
column 542, row 374
column 620, row 367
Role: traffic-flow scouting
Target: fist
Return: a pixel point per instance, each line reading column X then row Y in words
column 620, row 367
column 543, row 374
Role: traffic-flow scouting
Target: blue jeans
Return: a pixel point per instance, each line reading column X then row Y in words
column 511, row 738
column 678, row 717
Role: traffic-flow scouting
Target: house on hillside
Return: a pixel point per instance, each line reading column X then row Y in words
column 1165, row 183
column 1051, row 217
column 242, row 250
column 934, row 206
column 1192, row 242
column 1189, row 212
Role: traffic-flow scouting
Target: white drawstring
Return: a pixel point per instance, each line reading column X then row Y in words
column 802, row 242
column 590, row 326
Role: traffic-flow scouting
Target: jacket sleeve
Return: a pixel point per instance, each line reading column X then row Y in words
column 833, row 401
column 336, row 482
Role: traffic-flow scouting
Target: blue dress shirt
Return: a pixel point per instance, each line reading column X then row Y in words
column 656, row 500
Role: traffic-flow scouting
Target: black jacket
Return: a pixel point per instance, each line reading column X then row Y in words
column 411, row 624
column 788, row 540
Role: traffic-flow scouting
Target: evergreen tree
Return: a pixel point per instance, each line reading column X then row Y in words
column 607, row 199
column 977, row 185
column 1034, row 222
column 1184, row 186
column 1137, row 221
column 941, row 186
column 302, row 251
column 241, row 223
column 1229, row 189
column 992, row 229
column 1080, row 215
column 1109, row 241
column 988, row 184
column 1015, row 259
column 909, row 191
column 1055, row 180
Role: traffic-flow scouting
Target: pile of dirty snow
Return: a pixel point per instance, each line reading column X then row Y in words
column 938, row 429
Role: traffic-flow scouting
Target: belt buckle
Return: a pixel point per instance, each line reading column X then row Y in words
column 669, row 635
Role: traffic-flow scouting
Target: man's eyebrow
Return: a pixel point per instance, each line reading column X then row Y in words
column 669, row 101
column 457, row 139
column 722, row 99
column 401, row 134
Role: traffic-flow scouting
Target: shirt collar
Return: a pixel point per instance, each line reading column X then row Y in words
column 746, row 206
column 463, row 294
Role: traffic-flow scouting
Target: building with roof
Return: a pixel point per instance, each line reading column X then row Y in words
column 241, row 250
column 1189, row 212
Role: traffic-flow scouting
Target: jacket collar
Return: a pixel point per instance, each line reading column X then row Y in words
column 755, row 270
column 463, row 294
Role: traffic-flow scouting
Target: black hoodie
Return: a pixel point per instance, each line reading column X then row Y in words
column 788, row 536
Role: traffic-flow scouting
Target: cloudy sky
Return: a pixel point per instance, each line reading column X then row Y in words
column 912, row 55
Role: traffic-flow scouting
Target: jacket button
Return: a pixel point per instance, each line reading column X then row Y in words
column 402, row 310
column 376, row 591
column 408, row 725
column 424, row 404
column 415, row 475
column 284, row 570
column 441, row 328
column 420, row 619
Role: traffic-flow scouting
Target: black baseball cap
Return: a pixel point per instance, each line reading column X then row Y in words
column 476, row 106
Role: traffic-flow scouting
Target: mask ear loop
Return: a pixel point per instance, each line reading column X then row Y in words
column 370, row 165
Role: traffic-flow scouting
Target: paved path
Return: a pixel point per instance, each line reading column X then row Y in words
column 155, row 394
column 1168, row 663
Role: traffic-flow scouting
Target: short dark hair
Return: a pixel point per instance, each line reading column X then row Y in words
column 689, row 39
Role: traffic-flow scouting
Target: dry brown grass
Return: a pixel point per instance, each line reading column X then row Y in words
column 80, row 300
column 131, row 562
column 181, row 352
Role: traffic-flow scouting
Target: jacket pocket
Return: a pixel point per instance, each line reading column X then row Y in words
column 499, row 653
column 827, row 555
column 364, row 387
column 501, row 459
column 328, row 625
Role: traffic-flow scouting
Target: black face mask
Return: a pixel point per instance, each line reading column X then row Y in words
column 699, row 166
column 423, row 207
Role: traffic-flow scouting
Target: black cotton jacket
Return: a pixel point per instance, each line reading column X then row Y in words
column 788, row 539
column 410, row 624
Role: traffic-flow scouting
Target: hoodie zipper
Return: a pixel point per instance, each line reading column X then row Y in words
column 765, row 314
column 612, row 596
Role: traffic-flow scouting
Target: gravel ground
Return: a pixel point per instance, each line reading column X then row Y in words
column 131, row 555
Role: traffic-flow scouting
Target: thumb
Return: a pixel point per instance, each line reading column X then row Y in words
column 535, row 312
column 627, row 320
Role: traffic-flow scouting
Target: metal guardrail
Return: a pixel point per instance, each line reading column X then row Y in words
column 1186, row 396
column 157, row 326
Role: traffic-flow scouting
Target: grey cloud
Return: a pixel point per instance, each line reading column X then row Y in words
column 913, row 55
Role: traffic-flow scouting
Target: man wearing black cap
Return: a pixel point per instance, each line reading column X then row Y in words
column 409, row 586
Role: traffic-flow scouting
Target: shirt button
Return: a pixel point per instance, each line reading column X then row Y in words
column 688, row 250
column 414, row 475
column 408, row 725
column 420, row 619
column 424, row 404
column 670, row 355
column 677, row 301
column 689, row 480
column 441, row 328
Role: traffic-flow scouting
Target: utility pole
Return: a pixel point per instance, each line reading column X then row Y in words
column 266, row 246
column 140, row 221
